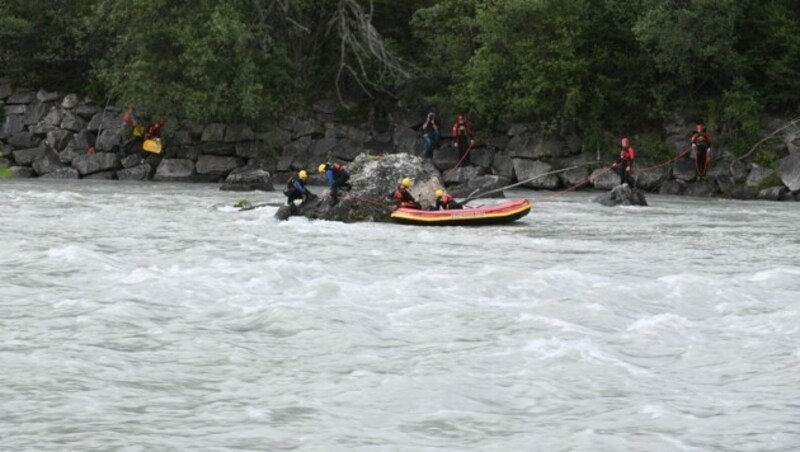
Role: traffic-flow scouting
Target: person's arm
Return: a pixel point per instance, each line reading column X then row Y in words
column 300, row 186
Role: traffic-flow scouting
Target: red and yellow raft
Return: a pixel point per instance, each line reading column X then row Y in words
column 479, row 216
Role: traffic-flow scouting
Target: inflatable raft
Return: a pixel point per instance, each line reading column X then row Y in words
column 479, row 216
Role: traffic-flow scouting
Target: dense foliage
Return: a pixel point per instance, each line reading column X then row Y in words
column 597, row 62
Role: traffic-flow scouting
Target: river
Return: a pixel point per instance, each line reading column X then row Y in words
column 145, row 317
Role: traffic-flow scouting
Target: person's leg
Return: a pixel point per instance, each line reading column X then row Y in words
column 701, row 161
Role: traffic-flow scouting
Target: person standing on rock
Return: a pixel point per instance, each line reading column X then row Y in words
column 403, row 197
column 430, row 134
column 625, row 162
column 701, row 150
column 446, row 201
column 296, row 189
column 462, row 135
column 337, row 177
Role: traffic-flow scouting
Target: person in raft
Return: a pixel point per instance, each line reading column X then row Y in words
column 625, row 162
column 403, row 197
column 445, row 201
column 337, row 177
column 701, row 150
column 296, row 189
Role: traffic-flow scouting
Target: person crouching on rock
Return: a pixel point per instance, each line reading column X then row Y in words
column 337, row 177
column 625, row 162
column 445, row 201
column 296, row 189
column 403, row 197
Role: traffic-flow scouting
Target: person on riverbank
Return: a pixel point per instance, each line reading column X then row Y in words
column 446, row 201
column 337, row 177
column 701, row 150
column 131, row 130
column 155, row 129
column 296, row 189
column 625, row 162
column 462, row 135
column 430, row 134
column 403, row 197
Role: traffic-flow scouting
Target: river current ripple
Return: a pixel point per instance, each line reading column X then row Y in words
column 145, row 317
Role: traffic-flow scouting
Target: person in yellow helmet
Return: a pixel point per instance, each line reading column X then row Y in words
column 337, row 177
column 446, row 201
column 403, row 197
column 296, row 189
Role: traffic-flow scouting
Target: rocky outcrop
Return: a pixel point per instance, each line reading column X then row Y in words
column 622, row 195
column 373, row 179
column 789, row 171
column 71, row 126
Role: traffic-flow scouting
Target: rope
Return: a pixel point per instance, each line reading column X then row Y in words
column 586, row 181
column 469, row 149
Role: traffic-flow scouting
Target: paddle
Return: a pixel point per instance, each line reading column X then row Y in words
column 472, row 196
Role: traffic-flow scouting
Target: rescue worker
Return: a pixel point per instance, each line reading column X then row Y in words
column 462, row 135
column 625, row 162
column 337, row 177
column 296, row 189
column 701, row 150
column 446, row 201
column 430, row 134
column 154, row 129
column 403, row 197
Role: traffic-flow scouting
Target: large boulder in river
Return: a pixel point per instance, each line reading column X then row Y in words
column 373, row 180
column 622, row 195
column 789, row 171
column 248, row 179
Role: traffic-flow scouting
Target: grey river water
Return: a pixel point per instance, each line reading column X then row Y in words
column 144, row 317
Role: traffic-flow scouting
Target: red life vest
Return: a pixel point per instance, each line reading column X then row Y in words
column 447, row 198
column 627, row 154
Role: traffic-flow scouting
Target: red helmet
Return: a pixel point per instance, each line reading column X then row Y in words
column 700, row 127
column 626, row 142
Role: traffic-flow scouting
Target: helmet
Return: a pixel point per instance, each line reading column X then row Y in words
column 439, row 193
column 322, row 167
column 626, row 142
column 407, row 182
column 303, row 175
column 700, row 127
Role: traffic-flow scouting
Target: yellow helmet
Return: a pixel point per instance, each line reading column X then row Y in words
column 439, row 193
column 407, row 182
column 322, row 167
column 303, row 175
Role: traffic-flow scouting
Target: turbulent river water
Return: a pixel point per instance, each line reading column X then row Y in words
column 151, row 317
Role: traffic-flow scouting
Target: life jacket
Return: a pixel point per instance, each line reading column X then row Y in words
column 403, row 196
column 447, row 198
column 627, row 154
column 701, row 138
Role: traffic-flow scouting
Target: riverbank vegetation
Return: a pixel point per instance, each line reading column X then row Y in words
column 596, row 63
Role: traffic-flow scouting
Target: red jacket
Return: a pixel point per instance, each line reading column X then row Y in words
column 626, row 155
column 467, row 128
column 154, row 130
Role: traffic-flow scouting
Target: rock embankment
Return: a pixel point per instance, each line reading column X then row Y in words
column 47, row 134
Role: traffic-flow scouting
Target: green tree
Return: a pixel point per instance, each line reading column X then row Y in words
column 44, row 43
